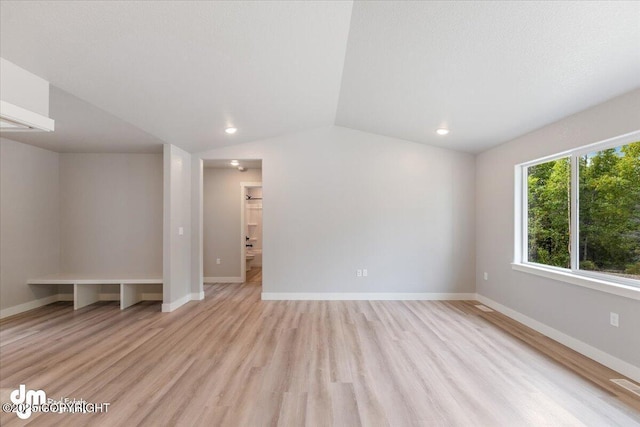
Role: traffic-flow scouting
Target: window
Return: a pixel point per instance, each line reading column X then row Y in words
column 578, row 212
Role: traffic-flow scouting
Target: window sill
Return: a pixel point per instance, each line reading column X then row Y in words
column 586, row 282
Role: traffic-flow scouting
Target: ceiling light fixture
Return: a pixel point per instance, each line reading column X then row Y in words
column 234, row 163
column 442, row 131
column 231, row 130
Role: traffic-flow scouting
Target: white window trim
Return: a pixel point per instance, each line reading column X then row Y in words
column 629, row 288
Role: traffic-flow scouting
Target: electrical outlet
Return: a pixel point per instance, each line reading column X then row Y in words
column 365, row 273
column 486, row 276
column 359, row 273
column 217, row 260
column 614, row 319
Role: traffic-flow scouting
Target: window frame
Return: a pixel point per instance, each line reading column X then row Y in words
column 591, row 279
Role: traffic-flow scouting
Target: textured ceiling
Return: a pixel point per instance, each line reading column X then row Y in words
column 183, row 71
column 490, row 71
column 224, row 164
column 132, row 75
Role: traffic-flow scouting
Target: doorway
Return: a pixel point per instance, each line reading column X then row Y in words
column 251, row 197
column 223, row 224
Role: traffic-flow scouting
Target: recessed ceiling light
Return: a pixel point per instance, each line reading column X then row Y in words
column 442, row 131
column 231, row 130
column 234, row 163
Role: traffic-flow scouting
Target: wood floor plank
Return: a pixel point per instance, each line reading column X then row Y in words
column 234, row 360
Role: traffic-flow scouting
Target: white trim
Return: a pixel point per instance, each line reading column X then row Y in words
column 574, row 210
column 168, row 307
column 33, row 121
column 584, row 281
column 519, row 207
column 583, row 348
column 229, row 279
column 197, row 296
column 360, row 296
column 21, row 308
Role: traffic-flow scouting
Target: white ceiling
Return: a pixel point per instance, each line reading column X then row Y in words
column 490, row 71
column 180, row 72
column 225, row 164
column 183, row 71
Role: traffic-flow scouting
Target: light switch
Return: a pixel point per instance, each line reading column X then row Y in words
column 180, row 231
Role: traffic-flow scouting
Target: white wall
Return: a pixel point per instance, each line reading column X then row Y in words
column 575, row 311
column 177, row 247
column 111, row 213
column 29, row 222
column 337, row 199
column 197, row 278
column 221, row 220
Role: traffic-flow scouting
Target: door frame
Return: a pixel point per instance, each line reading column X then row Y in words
column 243, row 206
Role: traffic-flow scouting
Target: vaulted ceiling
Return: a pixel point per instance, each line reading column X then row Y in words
column 129, row 76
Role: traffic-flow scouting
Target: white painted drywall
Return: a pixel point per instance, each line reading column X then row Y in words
column 177, row 246
column 221, row 220
column 24, row 89
column 29, row 221
column 336, row 200
column 579, row 312
column 111, row 213
column 197, row 278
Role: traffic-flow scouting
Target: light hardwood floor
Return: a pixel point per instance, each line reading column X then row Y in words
column 233, row 360
column 254, row 275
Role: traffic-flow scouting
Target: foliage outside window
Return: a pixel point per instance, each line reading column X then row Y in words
column 609, row 213
column 549, row 213
column 598, row 233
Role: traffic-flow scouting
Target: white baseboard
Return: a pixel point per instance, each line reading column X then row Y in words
column 357, row 296
column 168, row 307
column 152, row 296
column 20, row 308
column 146, row 296
column 109, row 297
column 197, row 296
column 222, row 279
column 583, row 348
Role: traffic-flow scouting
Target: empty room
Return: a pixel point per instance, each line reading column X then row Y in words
column 320, row 213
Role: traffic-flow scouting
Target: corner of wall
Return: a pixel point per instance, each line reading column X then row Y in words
column 177, row 227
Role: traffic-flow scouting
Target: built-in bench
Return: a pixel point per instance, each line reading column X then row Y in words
column 86, row 288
